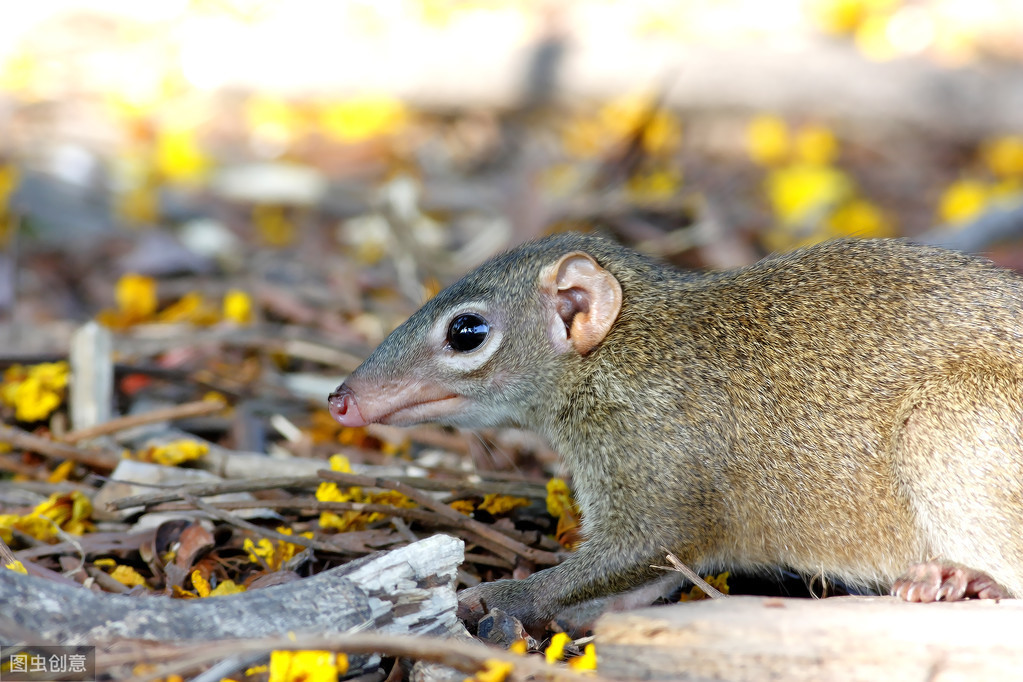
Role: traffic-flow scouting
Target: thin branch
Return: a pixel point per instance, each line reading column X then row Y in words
column 456, row 519
column 18, row 438
column 259, row 530
column 198, row 408
column 207, row 489
column 692, row 576
column 254, row 484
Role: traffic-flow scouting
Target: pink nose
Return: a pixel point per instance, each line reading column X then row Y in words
column 343, row 407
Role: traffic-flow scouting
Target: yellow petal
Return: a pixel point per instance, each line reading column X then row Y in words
column 363, row 118
column 1004, row 155
column 237, row 307
column 177, row 452
column 264, row 549
column 556, row 651
column 463, row 507
column 306, row 666
column 62, row 471
column 963, row 200
column 7, row 524
column 226, row 587
column 798, row 191
column 860, row 218
column 201, row 585
column 34, row 401
column 126, row 575
column 494, row 670
column 136, row 296
column 588, row 661
column 339, row 462
column 179, row 156
column 502, row 504
column 559, row 498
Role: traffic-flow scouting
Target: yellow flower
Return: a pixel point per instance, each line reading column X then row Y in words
column 273, row 553
column 61, row 473
column 559, row 497
column 35, row 391
column 227, row 587
column 1004, row 155
column 463, row 507
column 363, row 118
column 263, row 549
column 556, row 650
column 307, row 666
column 7, row 524
column 330, row 492
column 67, row 511
column 718, row 582
column 860, row 218
column 180, row 158
column 237, row 307
column 136, row 296
column 502, row 504
column 963, row 200
column 588, row 661
column 800, row 191
column 767, row 140
column 192, row 307
column 494, row 670
column 175, row 452
column 126, row 575
column 339, row 462
column 201, row 585
column 389, row 497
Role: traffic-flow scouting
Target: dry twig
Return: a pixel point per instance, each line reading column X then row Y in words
column 456, row 519
column 194, row 409
column 18, row 438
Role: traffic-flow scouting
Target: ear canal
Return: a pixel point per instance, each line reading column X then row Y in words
column 588, row 299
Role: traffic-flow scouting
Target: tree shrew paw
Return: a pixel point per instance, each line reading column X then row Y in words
column 943, row 581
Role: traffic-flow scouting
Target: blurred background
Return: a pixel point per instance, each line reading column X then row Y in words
column 346, row 158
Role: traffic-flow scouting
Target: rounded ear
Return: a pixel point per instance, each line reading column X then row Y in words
column 587, row 299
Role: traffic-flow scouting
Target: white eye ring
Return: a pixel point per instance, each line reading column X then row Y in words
column 466, row 360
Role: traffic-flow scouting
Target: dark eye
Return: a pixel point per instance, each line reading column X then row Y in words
column 467, row 332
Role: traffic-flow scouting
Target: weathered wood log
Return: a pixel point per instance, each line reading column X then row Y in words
column 406, row 591
column 840, row 639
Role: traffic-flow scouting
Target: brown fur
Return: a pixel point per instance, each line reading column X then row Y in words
column 845, row 410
